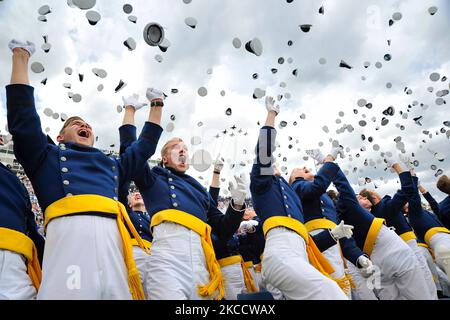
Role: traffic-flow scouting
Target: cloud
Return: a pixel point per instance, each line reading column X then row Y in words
column 350, row 30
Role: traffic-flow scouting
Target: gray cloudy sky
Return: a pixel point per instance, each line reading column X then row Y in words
column 355, row 31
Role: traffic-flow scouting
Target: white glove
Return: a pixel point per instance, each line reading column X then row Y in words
column 270, row 105
column 390, row 162
column 367, row 268
column 361, row 182
column 248, row 226
column 29, row 46
column 133, row 101
column 342, row 231
column 335, row 151
column 218, row 164
column 406, row 160
column 155, row 94
column 238, row 192
column 316, row 154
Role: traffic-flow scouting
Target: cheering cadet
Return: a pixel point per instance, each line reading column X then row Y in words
column 288, row 245
column 390, row 209
column 320, row 214
column 429, row 230
column 183, row 264
column 77, row 188
column 133, row 200
column 397, row 274
column 237, row 278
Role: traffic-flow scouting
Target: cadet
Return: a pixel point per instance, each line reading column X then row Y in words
column 397, row 274
column 21, row 246
column 430, row 230
column 320, row 214
column 131, row 197
column 443, row 184
column 237, row 278
column 77, row 188
column 390, row 209
column 288, row 245
column 183, row 264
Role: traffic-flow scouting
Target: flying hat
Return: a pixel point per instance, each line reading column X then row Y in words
column 153, row 34
column 254, row 46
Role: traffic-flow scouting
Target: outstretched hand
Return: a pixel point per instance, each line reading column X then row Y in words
column 28, row 46
column 342, row 231
column 238, row 191
column 133, row 101
column 155, row 94
column 270, row 105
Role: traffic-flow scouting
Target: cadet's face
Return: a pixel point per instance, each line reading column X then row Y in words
column 78, row 132
column 304, row 173
column 177, row 156
column 364, row 202
column 135, row 199
column 1, row 141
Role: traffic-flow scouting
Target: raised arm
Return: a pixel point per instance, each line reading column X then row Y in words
column 317, row 187
column 402, row 196
column 128, row 129
column 346, row 193
column 134, row 159
column 30, row 143
column 127, row 134
column 225, row 225
column 414, row 203
column 431, row 201
column 214, row 189
column 262, row 170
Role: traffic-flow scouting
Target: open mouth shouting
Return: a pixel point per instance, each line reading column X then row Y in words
column 182, row 159
column 84, row 133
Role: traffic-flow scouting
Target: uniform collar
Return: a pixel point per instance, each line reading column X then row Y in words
column 76, row 146
column 168, row 170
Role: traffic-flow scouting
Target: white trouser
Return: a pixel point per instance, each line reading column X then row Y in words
column 15, row 284
column 363, row 289
column 285, row 266
column 396, row 269
column 431, row 286
column 334, row 257
column 141, row 258
column 440, row 244
column 444, row 282
column 177, row 264
column 83, row 259
column 234, row 280
column 431, row 265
